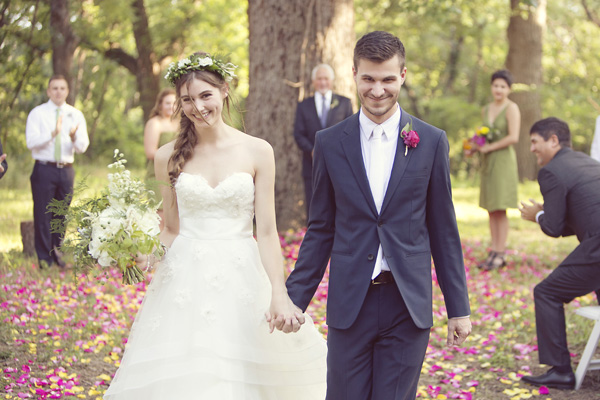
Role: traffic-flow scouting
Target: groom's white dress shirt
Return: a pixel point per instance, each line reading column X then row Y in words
column 389, row 142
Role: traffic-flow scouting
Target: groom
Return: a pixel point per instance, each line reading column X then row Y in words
column 380, row 209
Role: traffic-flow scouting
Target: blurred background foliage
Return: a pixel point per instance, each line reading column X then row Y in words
column 452, row 49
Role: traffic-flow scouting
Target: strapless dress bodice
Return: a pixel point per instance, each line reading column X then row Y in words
column 222, row 212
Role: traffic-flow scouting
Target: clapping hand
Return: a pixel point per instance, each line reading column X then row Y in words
column 73, row 131
column 284, row 314
column 529, row 211
column 58, row 126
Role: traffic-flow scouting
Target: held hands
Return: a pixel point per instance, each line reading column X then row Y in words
column 529, row 211
column 283, row 314
column 458, row 330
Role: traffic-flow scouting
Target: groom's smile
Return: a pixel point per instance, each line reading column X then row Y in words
column 378, row 86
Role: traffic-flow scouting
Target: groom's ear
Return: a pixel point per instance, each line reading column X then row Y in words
column 403, row 74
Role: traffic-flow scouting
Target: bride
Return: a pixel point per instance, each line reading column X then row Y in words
column 206, row 328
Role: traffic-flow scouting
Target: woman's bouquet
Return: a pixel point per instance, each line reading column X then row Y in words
column 113, row 227
column 482, row 135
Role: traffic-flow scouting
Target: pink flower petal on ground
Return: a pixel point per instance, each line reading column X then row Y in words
column 544, row 390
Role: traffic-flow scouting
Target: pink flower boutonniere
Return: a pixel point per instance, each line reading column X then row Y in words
column 410, row 137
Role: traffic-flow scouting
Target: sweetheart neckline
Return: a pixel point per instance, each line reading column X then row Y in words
column 220, row 182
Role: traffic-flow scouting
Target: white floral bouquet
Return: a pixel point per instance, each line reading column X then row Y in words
column 112, row 227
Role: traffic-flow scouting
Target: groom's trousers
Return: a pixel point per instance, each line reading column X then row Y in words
column 560, row 287
column 380, row 356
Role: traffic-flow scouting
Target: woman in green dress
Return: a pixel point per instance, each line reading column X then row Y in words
column 160, row 129
column 499, row 175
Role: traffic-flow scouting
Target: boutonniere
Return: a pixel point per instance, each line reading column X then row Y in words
column 409, row 137
column 334, row 103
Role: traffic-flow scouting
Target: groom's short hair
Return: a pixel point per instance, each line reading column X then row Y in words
column 379, row 46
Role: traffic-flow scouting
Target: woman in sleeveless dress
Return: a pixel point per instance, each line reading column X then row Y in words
column 160, row 129
column 206, row 327
column 499, row 175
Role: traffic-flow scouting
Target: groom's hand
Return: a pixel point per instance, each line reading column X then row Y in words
column 294, row 323
column 284, row 315
column 458, row 330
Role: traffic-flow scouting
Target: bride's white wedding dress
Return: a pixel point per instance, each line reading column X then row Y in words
column 201, row 332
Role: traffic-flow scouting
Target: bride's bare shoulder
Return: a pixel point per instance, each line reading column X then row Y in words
column 257, row 146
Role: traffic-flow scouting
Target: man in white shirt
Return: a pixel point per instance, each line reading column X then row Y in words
column 382, row 206
column 55, row 131
column 314, row 113
column 595, row 151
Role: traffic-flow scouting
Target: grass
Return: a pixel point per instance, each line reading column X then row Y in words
column 63, row 337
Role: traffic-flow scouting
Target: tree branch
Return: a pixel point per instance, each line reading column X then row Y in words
column 591, row 16
column 122, row 58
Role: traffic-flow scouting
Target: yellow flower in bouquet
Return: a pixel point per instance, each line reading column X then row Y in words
column 482, row 131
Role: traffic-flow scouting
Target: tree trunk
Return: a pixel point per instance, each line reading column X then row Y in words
column 453, row 59
column 524, row 60
column 64, row 42
column 287, row 39
column 147, row 80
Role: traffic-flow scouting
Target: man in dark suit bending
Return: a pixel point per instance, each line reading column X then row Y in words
column 570, row 184
column 320, row 111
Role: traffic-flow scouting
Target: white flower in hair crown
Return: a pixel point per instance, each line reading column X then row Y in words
column 200, row 62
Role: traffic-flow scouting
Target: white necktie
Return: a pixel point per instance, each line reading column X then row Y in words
column 376, row 167
column 376, row 182
column 324, row 112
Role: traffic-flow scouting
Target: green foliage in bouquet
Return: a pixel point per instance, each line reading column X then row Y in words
column 111, row 228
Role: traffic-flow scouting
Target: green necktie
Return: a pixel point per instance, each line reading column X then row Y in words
column 57, row 141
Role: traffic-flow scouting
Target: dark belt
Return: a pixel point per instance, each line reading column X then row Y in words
column 54, row 164
column 383, row 277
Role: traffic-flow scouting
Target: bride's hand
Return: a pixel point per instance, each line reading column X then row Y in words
column 284, row 315
column 142, row 261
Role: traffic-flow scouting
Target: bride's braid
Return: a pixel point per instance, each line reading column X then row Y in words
column 184, row 147
column 187, row 138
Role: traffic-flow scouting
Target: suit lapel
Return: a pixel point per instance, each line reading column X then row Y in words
column 400, row 162
column 353, row 151
column 330, row 113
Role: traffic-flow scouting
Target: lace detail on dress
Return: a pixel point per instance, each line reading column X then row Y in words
column 231, row 198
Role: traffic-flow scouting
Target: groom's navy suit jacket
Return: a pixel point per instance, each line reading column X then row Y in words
column 417, row 221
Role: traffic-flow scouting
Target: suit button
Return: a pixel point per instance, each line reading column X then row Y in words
column 370, row 257
column 380, row 223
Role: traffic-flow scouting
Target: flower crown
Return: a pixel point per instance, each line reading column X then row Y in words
column 200, row 62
